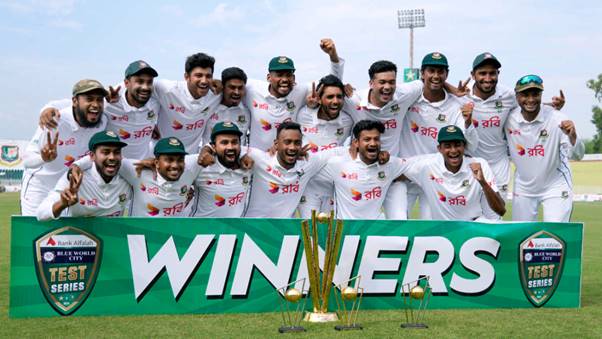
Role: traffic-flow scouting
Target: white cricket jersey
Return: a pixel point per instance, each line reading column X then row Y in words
column 181, row 115
column 323, row 135
column 160, row 197
column 96, row 197
column 221, row 192
column 268, row 112
column 238, row 115
column 72, row 145
column 360, row 189
column 275, row 190
column 540, row 152
column 391, row 114
column 423, row 121
column 451, row 196
column 488, row 118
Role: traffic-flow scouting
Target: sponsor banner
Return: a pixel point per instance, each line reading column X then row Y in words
column 120, row 266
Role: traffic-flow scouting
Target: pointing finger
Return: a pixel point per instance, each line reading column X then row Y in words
column 561, row 94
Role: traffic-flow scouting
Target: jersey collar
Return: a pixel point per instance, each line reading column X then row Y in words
column 441, row 164
column 437, row 104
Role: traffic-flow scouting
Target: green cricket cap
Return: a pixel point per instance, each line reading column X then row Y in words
column 105, row 138
column 171, row 145
column 435, row 59
column 485, row 58
column 527, row 82
column 88, row 85
column 140, row 66
column 450, row 133
column 224, row 127
column 281, row 63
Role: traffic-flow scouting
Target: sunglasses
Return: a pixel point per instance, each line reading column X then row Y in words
column 528, row 79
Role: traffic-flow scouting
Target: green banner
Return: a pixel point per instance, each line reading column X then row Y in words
column 109, row 266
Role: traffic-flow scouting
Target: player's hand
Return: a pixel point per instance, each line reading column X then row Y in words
column 246, row 162
column 216, row 86
column 189, row 195
column 327, row 45
column 48, row 118
column 383, row 157
column 304, row 152
column 557, row 101
column 156, row 135
column 207, row 156
column 349, row 90
column 477, row 171
column 113, row 95
column 568, row 128
column 75, row 180
column 143, row 164
column 353, row 151
column 463, row 88
column 68, row 198
column 74, row 170
column 312, row 100
column 49, row 151
column 467, row 109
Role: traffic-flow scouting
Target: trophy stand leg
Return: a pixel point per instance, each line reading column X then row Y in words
column 414, row 325
column 291, row 329
column 348, row 327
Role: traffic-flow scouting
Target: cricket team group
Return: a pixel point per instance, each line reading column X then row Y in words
column 237, row 147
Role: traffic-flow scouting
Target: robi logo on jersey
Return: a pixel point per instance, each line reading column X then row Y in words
column 179, row 109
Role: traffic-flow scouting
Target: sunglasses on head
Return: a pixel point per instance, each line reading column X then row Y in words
column 527, row 79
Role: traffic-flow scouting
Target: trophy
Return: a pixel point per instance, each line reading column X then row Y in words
column 291, row 315
column 416, row 297
column 348, row 304
column 320, row 283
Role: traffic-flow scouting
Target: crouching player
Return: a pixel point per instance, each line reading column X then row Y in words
column 97, row 191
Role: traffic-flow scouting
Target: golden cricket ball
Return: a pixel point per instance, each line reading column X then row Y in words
column 417, row 292
column 322, row 217
column 293, row 295
column 349, row 293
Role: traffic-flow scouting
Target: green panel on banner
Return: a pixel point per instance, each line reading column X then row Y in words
column 121, row 266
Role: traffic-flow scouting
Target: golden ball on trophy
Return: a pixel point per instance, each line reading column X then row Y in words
column 322, row 217
column 293, row 295
column 349, row 293
column 417, row 292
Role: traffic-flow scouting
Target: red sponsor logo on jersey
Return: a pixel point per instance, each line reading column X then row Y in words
column 236, row 199
column 536, row 151
column 89, row 202
column 435, row 179
column 70, row 141
column 82, row 201
column 374, row 193
column 260, row 105
column 457, row 201
column 414, row 126
column 120, row 118
column 175, row 209
column 274, row 171
column 265, row 125
column 441, row 196
column 513, row 131
column 176, row 125
column 475, row 123
column 69, row 160
column 284, row 189
column 520, row 149
column 355, row 195
column 313, row 147
column 391, row 123
column 195, row 125
column 426, row 131
column 150, row 190
column 329, row 146
column 273, row 187
column 218, row 181
column 349, row 176
column 414, row 109
column 124, row 134
column 310, row 130
column 145, row 132
column 214, row 117
column 152, row 210
column 179, row 109
column 219, row 200
column 494, row 121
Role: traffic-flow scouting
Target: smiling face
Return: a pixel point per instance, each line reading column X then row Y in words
column 281, row 83
column 227, row 147
column 529, row 101
column 107, row 159
column 198, row 81
column 453, row 154
column 368, row 145
column 434, row 77
column 331, row 102
column 288, row 146
column 485, row 80
column 139, row 89
column 170, row 166
column 88, row 108
column 382, row 88
column 234, row 91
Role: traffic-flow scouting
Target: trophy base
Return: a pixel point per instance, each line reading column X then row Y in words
column 291, row 329
column 317, row 317
column 348, row 327
column 414, row 325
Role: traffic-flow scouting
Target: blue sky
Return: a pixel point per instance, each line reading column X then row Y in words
column 47, row 45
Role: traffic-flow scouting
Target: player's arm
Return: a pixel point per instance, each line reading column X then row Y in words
column 464, row 122
column 64, row 195
column 574, row 147
column 494, row 200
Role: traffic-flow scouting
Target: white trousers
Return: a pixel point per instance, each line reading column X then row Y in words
column 555, row 208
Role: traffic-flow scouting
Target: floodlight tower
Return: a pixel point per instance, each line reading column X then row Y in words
column 411, row 18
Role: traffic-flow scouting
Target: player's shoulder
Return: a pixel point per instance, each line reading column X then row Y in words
column 306, row 115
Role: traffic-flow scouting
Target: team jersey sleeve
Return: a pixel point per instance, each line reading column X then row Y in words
column 57, row 104
column 470, row 133
column 191, row 162
column 413, row 167
column 409, row 91
column 337, row 68
column 32, row 157
column 44, row 211
column 350, row 107
column 127, row 170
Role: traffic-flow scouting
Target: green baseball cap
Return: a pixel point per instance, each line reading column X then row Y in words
column 138, row 67
column 88, row 85
column 485, row 58
column 528, row 82
column 171, row 145
column 224, row 127
column 105, row 138
column 435, row 59
column 450, row 133
column 281, row 63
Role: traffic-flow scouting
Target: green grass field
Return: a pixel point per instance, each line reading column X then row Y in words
column 583, row 322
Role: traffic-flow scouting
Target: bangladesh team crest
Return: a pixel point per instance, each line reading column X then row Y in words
column 67, row 264
column 9, row 155
column 541, row 260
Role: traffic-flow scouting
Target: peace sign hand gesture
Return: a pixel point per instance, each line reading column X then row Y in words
column 312, row 100
column 49, row 151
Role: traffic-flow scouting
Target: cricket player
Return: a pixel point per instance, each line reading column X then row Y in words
column 131, row 112
column 98, row 191
column 434, row 109
column 541, row 141
column 324, row 127
column 186, row 105
column 221, row 189
column 280, row 98
column 231, row 107
column 456, row 187
column 360, row 181
column 51, row 151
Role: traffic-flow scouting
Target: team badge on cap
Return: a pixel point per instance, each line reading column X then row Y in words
column 451, row 129
column 228, row 124
column 282, row 60
column 111, row 134
column 437, row 55
column 174, row 142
